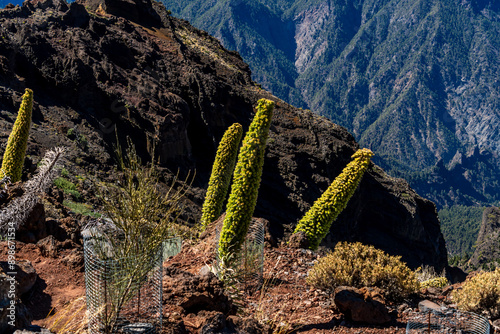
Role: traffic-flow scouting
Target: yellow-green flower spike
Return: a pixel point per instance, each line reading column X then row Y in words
column 222, row 170
column 246, row 181
column 13, row 158
column 317, row 221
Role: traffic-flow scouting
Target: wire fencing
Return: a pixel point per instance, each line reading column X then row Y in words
column 447, row 321
column 124, row 295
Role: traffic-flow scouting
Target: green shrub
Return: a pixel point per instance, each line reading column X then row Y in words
column 222, row 170
column 68, row 187
column 317, row 221
column 480, row 294
column 436, row 282
column 139, row 206
column 64, row 172
column 358, row 265
column 140, row 215
column 64, row 184
column 246, row 181
column 13, row 158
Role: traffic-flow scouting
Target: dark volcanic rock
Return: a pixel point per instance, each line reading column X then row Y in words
column 12, row 310
column 247, row 325
column 34, row 228
column 48, row 246
column 22, row 317
column 213, row 323
column 25, row 275
column 194, row 293
column 361, row 305
column 487, row 252
column 140, row 11
column 397, row 220
column 158, row 79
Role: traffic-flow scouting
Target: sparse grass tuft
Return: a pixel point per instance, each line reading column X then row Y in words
column 71, row 319
column 81, row 208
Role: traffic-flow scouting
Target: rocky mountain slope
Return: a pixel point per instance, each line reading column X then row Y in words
column 486, row 254
column 416, row 81
column 101, row 65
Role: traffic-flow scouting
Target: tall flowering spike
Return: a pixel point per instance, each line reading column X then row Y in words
column 13, row 158
column 317, row 221
column 246, row 181
column 223, row 168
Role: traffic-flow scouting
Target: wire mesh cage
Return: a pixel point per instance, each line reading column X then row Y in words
column 248, row 264
column 123, row 295
column 447, row 321
column 171, row 247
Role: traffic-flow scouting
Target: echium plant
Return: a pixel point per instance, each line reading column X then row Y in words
column 222, row 170
column 13, row 158
column 18, row 210
column 246, row 182
column 317, row 221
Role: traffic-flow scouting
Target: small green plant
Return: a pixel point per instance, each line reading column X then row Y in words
column 71, row 133
column 68, row 187
column 222, row 171
column 81, row 208
column 138, row 205
column 480, row 294
column 246, row 181
column 358, row 265
column 83, row 142
column 317, row 221
column 64, row 172
column 428, row 277
column 436, row 282
column 13, row 158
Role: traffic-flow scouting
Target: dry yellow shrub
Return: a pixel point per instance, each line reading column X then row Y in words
column 480, row 294
column 358, row 265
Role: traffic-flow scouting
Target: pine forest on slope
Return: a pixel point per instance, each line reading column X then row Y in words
column 417, row 81
column 460, row 226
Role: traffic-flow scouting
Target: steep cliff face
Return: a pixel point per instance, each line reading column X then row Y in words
column 413, row 80
column 95, row 68
column 487, row 254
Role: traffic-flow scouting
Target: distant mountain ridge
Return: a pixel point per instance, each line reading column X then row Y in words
column 416, row 81
column 4, row 3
